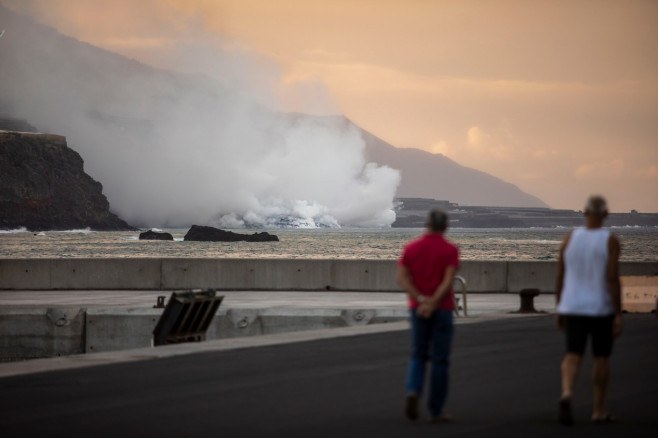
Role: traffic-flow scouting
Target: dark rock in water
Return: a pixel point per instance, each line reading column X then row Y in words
column 262, row 237
column 153, row 235
column 209, row 234
column 43, row 186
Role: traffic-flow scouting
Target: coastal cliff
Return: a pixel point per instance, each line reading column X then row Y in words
column 44, row 186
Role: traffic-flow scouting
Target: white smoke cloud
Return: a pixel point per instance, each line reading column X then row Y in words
column 177, row 149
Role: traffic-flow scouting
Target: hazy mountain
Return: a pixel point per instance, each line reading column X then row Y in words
column 174, row 149
column 435, row 176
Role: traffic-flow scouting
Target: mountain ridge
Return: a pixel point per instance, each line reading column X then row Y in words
column 456, row 183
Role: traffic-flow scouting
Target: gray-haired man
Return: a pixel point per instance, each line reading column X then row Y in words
column 589, row 304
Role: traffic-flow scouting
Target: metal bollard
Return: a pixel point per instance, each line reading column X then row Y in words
column 462, row 281
column 528, row 301
column 160, row 303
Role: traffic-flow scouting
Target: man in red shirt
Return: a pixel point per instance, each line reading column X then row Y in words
column 426, row 271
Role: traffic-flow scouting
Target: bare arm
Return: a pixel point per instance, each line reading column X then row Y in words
column 612, row 272
column 559, row 281
column 428, row 306
column 614, row 284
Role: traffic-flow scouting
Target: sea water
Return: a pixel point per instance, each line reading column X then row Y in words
column 638, row 244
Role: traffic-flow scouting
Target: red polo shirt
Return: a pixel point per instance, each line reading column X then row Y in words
column 427, row 259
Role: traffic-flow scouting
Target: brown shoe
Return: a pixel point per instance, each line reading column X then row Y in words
column 411, row 406
column 443, row 418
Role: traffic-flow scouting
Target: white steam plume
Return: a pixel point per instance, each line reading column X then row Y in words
column 175, row 149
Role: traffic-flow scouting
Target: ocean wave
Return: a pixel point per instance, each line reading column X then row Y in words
column 80, row 231
column 133, row 238
column 535, row 241
column 17, row 230
column 43, row 233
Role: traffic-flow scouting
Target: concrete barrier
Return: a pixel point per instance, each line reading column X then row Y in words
column 31, row 274
column 368, row 275
column 531, row 275
column 638, row 268
column 33, row 333
column 246, row 274
column 485, row 276
column 267, row 274
column 109, row 329
column 105, row 273
column 45, row 332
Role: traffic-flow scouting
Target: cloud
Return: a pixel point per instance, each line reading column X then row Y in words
column 306, row 95
column 601, row 170
column 480, row 148
column 544, row 154
column 650, row 172
column 615, row 170
column 476, row 137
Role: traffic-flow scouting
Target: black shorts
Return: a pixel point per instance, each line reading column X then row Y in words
column 578, row 328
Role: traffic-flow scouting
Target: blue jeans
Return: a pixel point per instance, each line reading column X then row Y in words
column 431, row 338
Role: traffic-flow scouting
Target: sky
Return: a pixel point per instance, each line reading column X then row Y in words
column 557, row 97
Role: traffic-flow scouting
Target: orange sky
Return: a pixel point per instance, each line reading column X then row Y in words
column 559, row 98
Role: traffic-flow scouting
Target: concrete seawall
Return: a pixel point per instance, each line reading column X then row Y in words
column 97, row 323
column 47, row 332
column 266, row 274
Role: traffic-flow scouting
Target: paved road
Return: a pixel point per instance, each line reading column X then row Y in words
column 504, row 384
column 478, row 303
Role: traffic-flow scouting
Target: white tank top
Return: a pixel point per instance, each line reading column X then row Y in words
column 585, row 289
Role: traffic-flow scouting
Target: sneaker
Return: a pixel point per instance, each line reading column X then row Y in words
column 411, row 406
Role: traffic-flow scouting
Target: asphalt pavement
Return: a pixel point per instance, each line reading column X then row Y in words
column 504, row 383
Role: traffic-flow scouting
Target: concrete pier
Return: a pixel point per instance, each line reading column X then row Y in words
column 266, row 274
column 37, row 324
column 59, row 307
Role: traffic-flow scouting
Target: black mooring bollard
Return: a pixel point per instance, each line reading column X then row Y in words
column 528, row 301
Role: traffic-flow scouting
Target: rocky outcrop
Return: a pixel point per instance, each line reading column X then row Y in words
column 44, row 186
column 154, row 235
column 12, row 124
column 209, row 234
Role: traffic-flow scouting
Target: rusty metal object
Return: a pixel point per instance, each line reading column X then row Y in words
column 160, row 303
column 186, row 317
column 462, row 281
column 528, row 301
